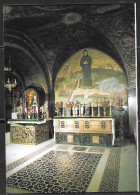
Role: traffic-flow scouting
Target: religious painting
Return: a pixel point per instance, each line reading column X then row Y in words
column 30, row 100
column 90, row 76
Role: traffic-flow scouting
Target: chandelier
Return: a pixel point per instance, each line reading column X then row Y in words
column 10, row 84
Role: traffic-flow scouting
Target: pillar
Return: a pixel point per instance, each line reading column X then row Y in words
column 51, row 103
column 132, row 111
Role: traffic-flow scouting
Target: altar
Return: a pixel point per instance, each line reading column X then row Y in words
column 31, row 132
column 84, row 130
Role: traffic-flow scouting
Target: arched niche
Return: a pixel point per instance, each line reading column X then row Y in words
column 108, row 80
column 31, row 101
column 34, row 98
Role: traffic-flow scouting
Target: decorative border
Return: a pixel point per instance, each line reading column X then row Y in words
column 110, row 179
column 26, row 158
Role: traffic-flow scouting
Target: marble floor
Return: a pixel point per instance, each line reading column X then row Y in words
column 57, row 168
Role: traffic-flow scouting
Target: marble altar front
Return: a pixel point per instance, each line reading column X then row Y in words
column 84, row 130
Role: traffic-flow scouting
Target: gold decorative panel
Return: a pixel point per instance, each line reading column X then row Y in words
column 69, row 138
column 95, row 139
column 30, row 134
column 101, row 126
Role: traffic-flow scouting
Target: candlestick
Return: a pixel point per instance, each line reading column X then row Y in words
column 99, row 114
column 74, row 111
column 84, row 109
column 63, row 112
column 110, row 109
column 92, row 111
column 80, row 110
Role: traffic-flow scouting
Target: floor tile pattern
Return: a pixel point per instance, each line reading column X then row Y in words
column 63, row 147
column 97, row 150
column 26, row 158
column 110, row 179
column 57, row 172
column 79, row 148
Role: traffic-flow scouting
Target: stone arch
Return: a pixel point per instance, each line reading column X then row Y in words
column 96, row 39
column 24, row 43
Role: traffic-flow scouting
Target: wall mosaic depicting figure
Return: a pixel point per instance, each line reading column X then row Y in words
column 90, row 76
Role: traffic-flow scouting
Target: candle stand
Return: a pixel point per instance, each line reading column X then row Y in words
column 121, row 138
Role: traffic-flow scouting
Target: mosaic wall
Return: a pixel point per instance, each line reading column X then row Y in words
column 90, row 77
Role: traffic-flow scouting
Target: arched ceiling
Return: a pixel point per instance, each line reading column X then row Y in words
column 24, row 66
column 60, row 31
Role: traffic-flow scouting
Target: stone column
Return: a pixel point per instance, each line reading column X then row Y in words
column 50, row 97
column 132, row 111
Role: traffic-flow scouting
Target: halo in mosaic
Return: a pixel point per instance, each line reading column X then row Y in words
column 57, row 172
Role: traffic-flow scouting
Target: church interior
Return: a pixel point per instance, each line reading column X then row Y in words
column 70, row 98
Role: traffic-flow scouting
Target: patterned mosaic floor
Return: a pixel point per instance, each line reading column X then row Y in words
column 26, row 158
column 57, row 172
column 110, row 179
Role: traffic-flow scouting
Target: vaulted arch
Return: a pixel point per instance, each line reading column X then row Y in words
column 22, row 43
column 83, row 36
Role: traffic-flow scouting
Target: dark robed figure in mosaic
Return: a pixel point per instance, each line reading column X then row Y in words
column 85, row 63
